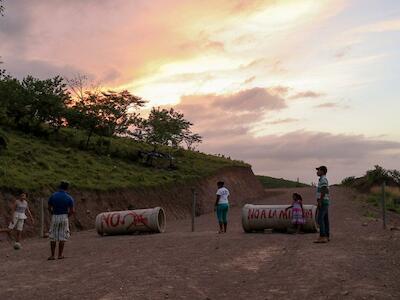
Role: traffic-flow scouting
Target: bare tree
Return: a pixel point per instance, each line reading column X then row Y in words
column 80, row 86
column 77, row 86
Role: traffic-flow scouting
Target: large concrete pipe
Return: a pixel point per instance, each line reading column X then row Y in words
column 260, row 217
column 130, row 221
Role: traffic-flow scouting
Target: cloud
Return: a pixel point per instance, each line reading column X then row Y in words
column 331, row 105
column 306, row 94
column 250, row 100
column 279, row 90
column 281, row 121
column 202, row 42
column 343, row 52
column 39, row 68
column 295, row 154
column 136, row 38
column 327, row 105
column 249, row 80
column 229, row 114
column 382, row 26
column 227, row 128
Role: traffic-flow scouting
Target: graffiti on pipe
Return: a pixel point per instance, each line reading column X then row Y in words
column 116, row 219
column 256, row 213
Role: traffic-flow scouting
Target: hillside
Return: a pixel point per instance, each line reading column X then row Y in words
column 370, row 185
column 275, row 183
column 34, row 163
column 115, row 177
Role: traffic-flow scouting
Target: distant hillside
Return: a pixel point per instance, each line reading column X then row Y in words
column 274, row 183
column 370, row 185
column 373, row 178
column 33, row 163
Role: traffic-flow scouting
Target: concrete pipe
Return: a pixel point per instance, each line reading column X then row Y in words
column 260, row 217
column 130, row 221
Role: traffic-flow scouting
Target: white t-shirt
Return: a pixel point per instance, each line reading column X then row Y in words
column 20, row 209
column 224, row 194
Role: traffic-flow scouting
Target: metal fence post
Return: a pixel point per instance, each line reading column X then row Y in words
column 193, row 207
column 42, row 218
column 383, row 205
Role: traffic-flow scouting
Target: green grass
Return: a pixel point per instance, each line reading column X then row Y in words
column 274, row 183
column 370, row 215
column 36, row 163
column 390, row 199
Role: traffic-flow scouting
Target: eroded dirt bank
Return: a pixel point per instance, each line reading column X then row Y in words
column 176, row 199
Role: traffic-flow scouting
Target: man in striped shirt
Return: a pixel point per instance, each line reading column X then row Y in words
column 323, row 205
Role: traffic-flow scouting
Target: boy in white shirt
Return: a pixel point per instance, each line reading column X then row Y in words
column 222, row 206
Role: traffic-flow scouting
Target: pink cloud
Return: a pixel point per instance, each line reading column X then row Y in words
column 331, row 105
column 226, row 128
column 306, row 94
column 237, row 111
column 117, row 41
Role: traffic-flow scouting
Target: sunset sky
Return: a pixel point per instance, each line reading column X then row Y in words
column 283, row 85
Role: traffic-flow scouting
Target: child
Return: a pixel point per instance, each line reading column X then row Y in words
column 297, row 212
column 19, row 208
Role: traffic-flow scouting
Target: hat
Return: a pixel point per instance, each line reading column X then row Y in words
column 323, row 169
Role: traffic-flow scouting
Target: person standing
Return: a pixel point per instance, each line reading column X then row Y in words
column 222, row 206
column 60, row 206
column 19, row 210
column 323, row 205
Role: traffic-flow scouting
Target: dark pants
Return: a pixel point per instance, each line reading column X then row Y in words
column 323, row 220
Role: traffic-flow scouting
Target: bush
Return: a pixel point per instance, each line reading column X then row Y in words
column 375, row 177
column 348, row 181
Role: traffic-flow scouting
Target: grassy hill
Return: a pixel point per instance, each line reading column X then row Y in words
column 34, row 163
column 371, row 186
column 274, row 183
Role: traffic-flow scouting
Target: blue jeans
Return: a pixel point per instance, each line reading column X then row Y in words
column 323, row 220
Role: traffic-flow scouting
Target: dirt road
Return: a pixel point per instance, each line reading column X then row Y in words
column 361, row 262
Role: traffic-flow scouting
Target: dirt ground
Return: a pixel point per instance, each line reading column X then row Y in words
column 362, row 261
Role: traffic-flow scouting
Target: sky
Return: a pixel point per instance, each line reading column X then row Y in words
column 283, row 85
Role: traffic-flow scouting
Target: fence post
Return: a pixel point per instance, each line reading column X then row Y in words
column 383, row 205
column 41, row 217
column 193, row 207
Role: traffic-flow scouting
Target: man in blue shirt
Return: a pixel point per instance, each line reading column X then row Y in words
column 61, row 206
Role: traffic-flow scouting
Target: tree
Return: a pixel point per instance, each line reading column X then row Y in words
column 167, row 127
column 118, row 111
column 13, row 104
column 47, row 99
column 32, row 102
column 104, row 113
column 191, row 139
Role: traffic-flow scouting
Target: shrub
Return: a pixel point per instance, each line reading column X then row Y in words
column 348, row 181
